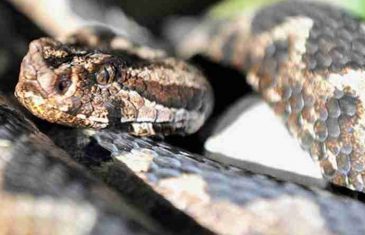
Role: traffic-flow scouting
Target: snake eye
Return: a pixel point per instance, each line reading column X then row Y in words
column 63, row 84
column 102, row 77
column 105, row 75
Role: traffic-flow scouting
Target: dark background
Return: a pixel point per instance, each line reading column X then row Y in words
column 152, row 13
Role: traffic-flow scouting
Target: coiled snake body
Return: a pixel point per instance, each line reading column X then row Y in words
column 306, row 59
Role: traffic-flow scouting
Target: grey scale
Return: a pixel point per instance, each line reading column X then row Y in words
column 336, row 40
column 47, row 172
column 343, row 215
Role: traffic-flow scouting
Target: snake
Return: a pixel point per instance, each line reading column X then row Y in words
column 304, row 58
column 96, row 79
column 223, row 198
column 106, row 181
column 110, row 182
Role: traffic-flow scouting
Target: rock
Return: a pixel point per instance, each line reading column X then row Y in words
column 250, row 136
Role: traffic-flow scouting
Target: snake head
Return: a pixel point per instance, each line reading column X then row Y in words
column 62, row 84
column 79, row 85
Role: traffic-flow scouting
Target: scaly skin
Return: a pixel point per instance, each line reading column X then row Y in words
column 307, row 60
column 100, row 80
column 44, row 191
column 220, row 197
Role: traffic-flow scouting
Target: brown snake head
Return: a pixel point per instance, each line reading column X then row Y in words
column 84, row 87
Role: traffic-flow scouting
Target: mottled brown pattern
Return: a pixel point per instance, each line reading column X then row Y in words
column 301, row 58
column 104, row 81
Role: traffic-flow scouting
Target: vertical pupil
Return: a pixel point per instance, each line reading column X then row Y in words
column 104, row 76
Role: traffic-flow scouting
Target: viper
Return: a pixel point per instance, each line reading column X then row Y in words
column 98, row 79
column 305, row 59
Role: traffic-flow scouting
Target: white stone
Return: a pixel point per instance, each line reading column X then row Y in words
column 258, row 141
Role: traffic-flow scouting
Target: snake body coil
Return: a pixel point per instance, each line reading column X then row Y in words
column 307, row 61
column 45, row 191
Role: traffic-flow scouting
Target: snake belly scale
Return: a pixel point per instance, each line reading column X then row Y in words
column 307, row 61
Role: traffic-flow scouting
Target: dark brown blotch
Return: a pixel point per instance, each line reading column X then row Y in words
column 175, row 96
